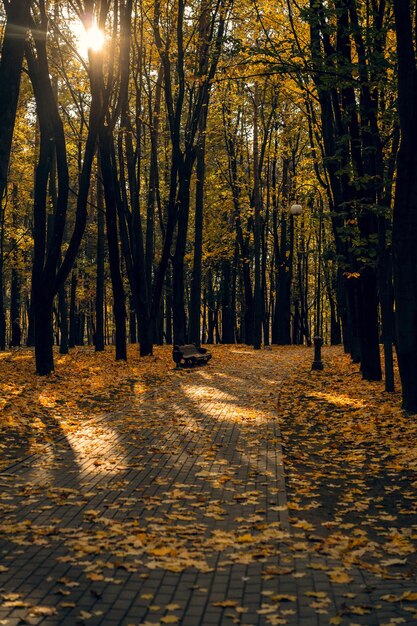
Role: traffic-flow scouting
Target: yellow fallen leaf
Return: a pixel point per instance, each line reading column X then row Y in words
column 338, row 576
column 85, row 615
column 42, row 611
column 162, row 551
column 170, row 619
column 409, row 596
column 283, row 597
column 225, row 603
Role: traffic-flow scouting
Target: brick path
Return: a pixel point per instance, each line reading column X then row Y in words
column 174, row 511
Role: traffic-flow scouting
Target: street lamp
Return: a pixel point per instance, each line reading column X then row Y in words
column 296, row 209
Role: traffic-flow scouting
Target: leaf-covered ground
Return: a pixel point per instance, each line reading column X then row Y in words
column 156, row 496
column 351, row 466
column 85, row 384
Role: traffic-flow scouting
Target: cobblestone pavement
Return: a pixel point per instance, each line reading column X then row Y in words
column 174, row 511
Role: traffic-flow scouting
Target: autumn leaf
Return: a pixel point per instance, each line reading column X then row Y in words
column 42, row 611
column 170, row 619
column 339, row 576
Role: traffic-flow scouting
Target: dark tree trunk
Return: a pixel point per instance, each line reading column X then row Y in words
column 210, row 308
column 119, row 308
column 99, row 334
column 132, row 322
column 13, row 48
column 227, row 306
column 296, row 325
column 63, row 320
column 257, row 291
column 2, row 313
column 168, row 307
column 16, row 333
column 15, row 283
column 73, row 310
column 178, row 299
column 405, row 207
column 352, row 318
column 2, row 307
column 368, row 325
column 194, row 327
column 282, row 318
column 335, row 330
column 46, row 279
column 386, row 296
column 43, row 334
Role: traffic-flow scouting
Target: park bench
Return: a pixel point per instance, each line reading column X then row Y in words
column 189, row 354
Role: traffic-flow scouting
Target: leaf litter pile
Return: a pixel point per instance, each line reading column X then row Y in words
column 133, row 471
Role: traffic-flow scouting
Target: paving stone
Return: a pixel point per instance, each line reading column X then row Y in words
column 127, row 475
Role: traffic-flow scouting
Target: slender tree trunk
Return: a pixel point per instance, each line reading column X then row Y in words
column 194, row 328
column 282, row 320
column 386, row 295
column 132, row 322
column 63, row 320
column 2, row 312
column 72, row 311
column 179, row 317
column 119, row 308
column 168, row 307
column 99, row 334
column 2, row 304
column 257, row 292
column 210, row 307
column 227, row 306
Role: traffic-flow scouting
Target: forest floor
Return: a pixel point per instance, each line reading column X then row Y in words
column 250, row 491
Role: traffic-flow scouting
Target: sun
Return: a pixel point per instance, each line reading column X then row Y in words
column 94, row 38
column 90, row 39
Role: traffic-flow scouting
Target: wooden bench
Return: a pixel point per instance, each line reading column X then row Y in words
column 189, row 354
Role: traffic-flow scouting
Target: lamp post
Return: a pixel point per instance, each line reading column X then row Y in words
column 297, row 209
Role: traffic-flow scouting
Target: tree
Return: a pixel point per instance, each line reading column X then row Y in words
column 405, row 207
column 13, row 47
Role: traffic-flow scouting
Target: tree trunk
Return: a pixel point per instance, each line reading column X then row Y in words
column 73, row 311
column 63, row 320
column 99, row 334
column 194, row 328
column 257, row 291
column 113, row 244
column 386, row 296
column 282, row 318
column 43, row 333
column 227, row 308
column 368, row 325
column 2, row 313
column 18, row 16
column 404, row 237
column 210, row 308
column 179, row 318
column 132, row 322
